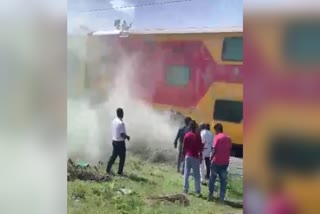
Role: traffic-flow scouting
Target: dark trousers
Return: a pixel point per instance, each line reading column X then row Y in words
column 208, row 165
column 179, row 158
column 119, row 149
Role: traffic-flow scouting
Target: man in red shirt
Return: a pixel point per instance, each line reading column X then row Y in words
column 219, row 161
column 192, row 149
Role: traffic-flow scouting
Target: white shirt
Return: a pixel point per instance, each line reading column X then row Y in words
column 118, row 127
column 207, row 139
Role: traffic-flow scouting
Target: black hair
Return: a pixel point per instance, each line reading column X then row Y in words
column 218, row 127
column 207, row 126
column 202, row 126
column 120, row 112
column 193, row 126
column 187, row 120
column 196, row 124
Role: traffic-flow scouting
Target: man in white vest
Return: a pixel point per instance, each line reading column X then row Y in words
column 207, row 139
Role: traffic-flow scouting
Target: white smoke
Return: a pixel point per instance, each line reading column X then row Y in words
column 89, row 127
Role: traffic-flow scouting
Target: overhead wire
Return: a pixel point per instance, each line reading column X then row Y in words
column 135, row 6
column 148, row 5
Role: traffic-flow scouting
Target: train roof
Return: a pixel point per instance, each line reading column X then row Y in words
column 173, row 31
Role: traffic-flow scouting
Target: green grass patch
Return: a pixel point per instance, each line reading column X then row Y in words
column 145, row 179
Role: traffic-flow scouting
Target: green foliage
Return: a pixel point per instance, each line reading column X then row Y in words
column 145, row 179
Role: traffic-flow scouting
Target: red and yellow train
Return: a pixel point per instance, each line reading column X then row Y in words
column 196, row 73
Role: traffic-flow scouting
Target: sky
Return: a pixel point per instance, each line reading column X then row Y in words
column 282, row 6
column 154, row 14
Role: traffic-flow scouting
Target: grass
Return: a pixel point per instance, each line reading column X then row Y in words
column 145, row 179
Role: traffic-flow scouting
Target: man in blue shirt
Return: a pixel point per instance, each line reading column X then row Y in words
column 179, row 140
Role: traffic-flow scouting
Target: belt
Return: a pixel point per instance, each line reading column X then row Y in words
column 118, row 141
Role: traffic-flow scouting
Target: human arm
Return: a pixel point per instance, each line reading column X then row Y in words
column 201, row 154
column 203, row 140
column 177, row 138
column 200, row 147
column 123, row 132
column 214, row 147
column 125, row 136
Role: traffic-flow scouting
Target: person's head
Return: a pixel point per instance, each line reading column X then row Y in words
column 207, row 126
column 120, row 113
column 218, row 128
column 202, row 126
column 193, row 126
column 187, row 121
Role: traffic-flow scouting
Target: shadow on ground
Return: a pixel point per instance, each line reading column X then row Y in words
column 238, row 204
column 136, row 178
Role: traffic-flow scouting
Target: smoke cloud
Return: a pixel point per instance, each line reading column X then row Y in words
column 89, row 126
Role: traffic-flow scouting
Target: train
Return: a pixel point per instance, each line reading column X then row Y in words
column 282, row 82
column 192, row 72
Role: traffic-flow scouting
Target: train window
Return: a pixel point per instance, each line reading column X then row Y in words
column 301, row 43
column 232, row 49
column 178, row 75
column 228, row 110
column 291, row 152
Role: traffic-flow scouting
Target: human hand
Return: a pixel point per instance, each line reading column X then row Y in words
column 175, row 145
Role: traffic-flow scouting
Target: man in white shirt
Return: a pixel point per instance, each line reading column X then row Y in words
column 118, row 142
column 207, row 139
